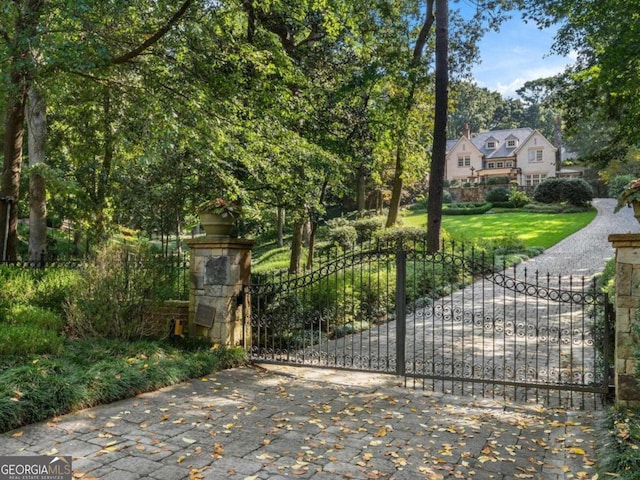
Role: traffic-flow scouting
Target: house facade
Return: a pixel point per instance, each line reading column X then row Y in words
column 520, row 154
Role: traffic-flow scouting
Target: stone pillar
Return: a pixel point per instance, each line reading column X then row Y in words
column 219, row 268
column 626, row 304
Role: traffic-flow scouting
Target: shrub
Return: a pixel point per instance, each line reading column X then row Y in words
column 397, row 234
column 115, row 292
column 499, row 194
column 503, row 205
column 549, row 191
column 508, row 242
column 25, row 339
column 365, row 227
column 536, row 207
column 54, row 289
column 497, row 181
column 34, row 316
column 518, row 198
column 617, row 184
column 18, row 286
column 466, row 208
column 577, row 192
column 345, row 236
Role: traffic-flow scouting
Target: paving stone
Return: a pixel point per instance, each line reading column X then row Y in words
column 267, row 419
column 100, row 472
column 120, row 475
column 170, row 472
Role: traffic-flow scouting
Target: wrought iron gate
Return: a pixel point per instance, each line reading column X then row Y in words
column 452, row 321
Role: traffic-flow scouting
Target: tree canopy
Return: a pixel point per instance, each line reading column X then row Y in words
column 599, row 96
column 155, row 106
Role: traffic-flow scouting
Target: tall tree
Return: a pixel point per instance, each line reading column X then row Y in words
column 438, row 157
column 19, row 30
column 602, row 90
column 37, row 128
column 414, row 75
column 24, row 33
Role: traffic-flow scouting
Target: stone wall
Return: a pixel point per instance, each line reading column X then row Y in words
column 479, row 193
column 626, row 304
column 219, row 268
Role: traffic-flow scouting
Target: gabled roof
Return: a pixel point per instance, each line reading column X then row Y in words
column 451, row 144
column 500, row 136
column 522, row 135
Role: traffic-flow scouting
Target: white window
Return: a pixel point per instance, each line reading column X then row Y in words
column 464, row 161
column 508, row 164
column 491, row 145
column 534, row 179
column 511, row 143
column 535, row 155
column 499, row 164
column 491, row 165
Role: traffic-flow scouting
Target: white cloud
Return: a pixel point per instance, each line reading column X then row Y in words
column 520, row 52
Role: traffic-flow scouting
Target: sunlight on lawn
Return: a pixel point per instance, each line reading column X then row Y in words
column 536, row 229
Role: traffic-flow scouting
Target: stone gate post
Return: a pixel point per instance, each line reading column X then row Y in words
column 627, row 299
column 219, row 268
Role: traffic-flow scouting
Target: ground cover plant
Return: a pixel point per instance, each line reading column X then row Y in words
column 46, row 369
column 620, row 447
column 620, row 457
column 89, row 372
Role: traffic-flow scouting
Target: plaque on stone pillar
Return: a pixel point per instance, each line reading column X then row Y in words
column 205, row 314
column 216, row 271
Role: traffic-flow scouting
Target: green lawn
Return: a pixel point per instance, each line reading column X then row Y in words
column 535, row 229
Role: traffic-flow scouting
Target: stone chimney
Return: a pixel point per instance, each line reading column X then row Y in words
column 467, row 131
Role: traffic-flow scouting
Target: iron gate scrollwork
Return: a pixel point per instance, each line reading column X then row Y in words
column 452, row 321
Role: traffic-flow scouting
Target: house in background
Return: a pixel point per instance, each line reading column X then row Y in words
column 520, row 154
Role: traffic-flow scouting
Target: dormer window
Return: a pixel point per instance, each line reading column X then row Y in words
column 491, row 143
column 512, row 143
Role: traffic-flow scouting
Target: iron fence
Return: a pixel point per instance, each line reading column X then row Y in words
column 453, row 321
column 171, row 271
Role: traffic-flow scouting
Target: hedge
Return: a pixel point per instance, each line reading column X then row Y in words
column 467, row 208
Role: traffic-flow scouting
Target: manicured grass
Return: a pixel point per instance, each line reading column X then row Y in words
column 96, row 371
column 535, row 229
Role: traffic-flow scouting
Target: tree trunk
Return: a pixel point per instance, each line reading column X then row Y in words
column 362, row 185
column 178, row 233
column 312, row 244
column 104, row 177
column 19, row 74
column 281, row 216
column 77, row 238
column 296, row 246
column 12, row 165
column 438, row 156
column 37, row 128
column 398, row 181
column 557, row 135
column 306, row 232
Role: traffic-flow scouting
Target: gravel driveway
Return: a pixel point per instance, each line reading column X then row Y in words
column 586, row 251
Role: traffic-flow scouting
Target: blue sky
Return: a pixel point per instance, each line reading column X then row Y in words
column 519, row 52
